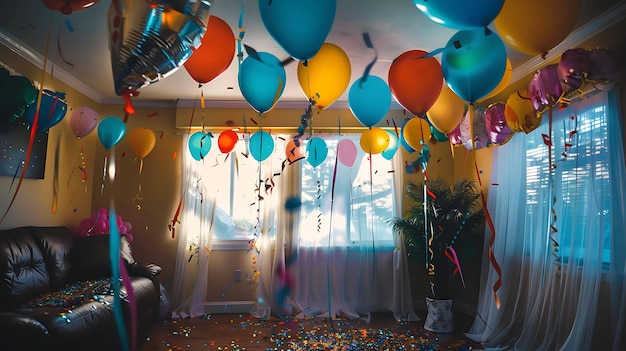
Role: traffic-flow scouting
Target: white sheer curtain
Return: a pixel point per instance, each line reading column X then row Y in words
column 582, row 304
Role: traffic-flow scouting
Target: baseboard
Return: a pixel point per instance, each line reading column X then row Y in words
column 228, row 306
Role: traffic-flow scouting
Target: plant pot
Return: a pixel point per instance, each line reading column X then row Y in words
column 440, row 317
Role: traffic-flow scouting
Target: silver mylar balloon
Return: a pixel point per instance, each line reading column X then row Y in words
column 150, row 39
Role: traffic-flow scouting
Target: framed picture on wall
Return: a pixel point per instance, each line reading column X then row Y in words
column 14, row 138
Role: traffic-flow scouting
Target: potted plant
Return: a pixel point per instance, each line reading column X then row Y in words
column 431, row 233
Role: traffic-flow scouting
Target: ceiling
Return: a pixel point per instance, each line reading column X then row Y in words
column 78, row 50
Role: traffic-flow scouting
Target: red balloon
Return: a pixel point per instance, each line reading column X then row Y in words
column 227, row 140
column 66, row 7
column 415, row 81
column 215, row 54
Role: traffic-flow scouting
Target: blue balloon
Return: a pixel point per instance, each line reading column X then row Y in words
column 300, row 27
column 262, row 80
column 317, row 150
column 473, row 63
column 51, row 110
column 369, row 99
column 110, row 131
column 394, row 143
column 261, row 145
column 461, row 14
column 199, row 145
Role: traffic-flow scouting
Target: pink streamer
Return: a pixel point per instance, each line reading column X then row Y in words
column 455, row 259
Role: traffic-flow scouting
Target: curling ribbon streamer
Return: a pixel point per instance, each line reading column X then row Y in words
column 242, row 33
column 452, row 256
column 492, row 258
column 368, row 68
column 552, row 230
column 33, row 129
column 132, row 304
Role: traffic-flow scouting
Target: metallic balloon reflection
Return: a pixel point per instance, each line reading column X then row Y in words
column 150, row 40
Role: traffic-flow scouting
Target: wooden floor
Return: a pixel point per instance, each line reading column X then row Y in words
column 235, row 332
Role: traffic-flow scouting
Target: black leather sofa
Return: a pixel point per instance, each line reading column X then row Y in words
column 56, row 293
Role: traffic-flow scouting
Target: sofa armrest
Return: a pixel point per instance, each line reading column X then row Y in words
column 148, row 271
column 13, row 325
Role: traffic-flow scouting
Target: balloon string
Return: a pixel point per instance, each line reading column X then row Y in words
column 33, row 128
column 552, row 230
column 104, row 172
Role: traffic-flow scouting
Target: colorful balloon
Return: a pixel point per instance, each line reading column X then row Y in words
column 215, row 54
column 110, row 131
column 299, row 27
column 227, row 140
column 374, row 140
column 437, row 135
column 150, row 40
column 545, row 88
column 473, row 63
column 52, row 109
column 531, row 26
column 67, row 7
column 460, row 14
column 261, row 145
column 83, row 121
column 403, row 142
column 416, row 131
column 369, row 100
column 415, row 81
column 346, row 152
column 447, row 111
column 573, row 68
column 316, row 150
column 141, row 141
column 604, row 69
column 498, row 130
column 17, row 93
column 504, row 82
column 473, row 131
column 391, row 149
column 262, row 81
column 325, row 76
column 520, row 114
column 199, row 145
column 294, row 150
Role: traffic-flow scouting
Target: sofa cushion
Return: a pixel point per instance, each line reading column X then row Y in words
column 90, row 256
column 23, row 273
column 55, row 244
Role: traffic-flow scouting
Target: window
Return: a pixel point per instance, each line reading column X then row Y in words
column 580, row 179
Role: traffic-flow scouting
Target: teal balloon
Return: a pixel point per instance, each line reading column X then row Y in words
column 262, row 80
column 110, row 131
column 52, row 110
column 261, row 145
column 439, row 136
column 300, row 27
column 199, row 145
column 369, row 100
column 317, row 150
column 394, row 143
column 473, row 63
column 461, row 14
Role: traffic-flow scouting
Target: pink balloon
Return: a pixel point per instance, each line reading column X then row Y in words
column 498, row 129
column 83, row 121
column 346, row 152
column 545, row 87
column 128, row 226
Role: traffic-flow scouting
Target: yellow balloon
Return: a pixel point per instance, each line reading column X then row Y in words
column 504, row 82
column 415, row 131
column 325, row 76
column 519, row 113
column 141, row 141
column 447, row 112
column 374, row 140
column 536, row 26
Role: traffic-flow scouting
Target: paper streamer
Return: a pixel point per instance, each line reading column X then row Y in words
column 552, row 230
column 132, row 303
column 452, row 256
column 115, row 257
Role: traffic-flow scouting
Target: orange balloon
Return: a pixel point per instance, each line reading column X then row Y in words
column 447, row 112
column 215, row 54
column 374, row 140
column 294, row 151
column 415, row 81
column 416, row 131
column 325, row 76
column 536, row 26
column 141, row 141
column 227, row 141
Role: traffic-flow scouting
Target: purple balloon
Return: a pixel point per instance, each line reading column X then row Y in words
column 603, row 69
column 573, row 68
column 455, row 135
column 545, row 87
column 498, row 130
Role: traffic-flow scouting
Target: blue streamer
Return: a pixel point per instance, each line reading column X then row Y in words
column 114, row 255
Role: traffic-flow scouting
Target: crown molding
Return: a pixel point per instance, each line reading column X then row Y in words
column 36, row 59
column 587, row 31
column 296, row 105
